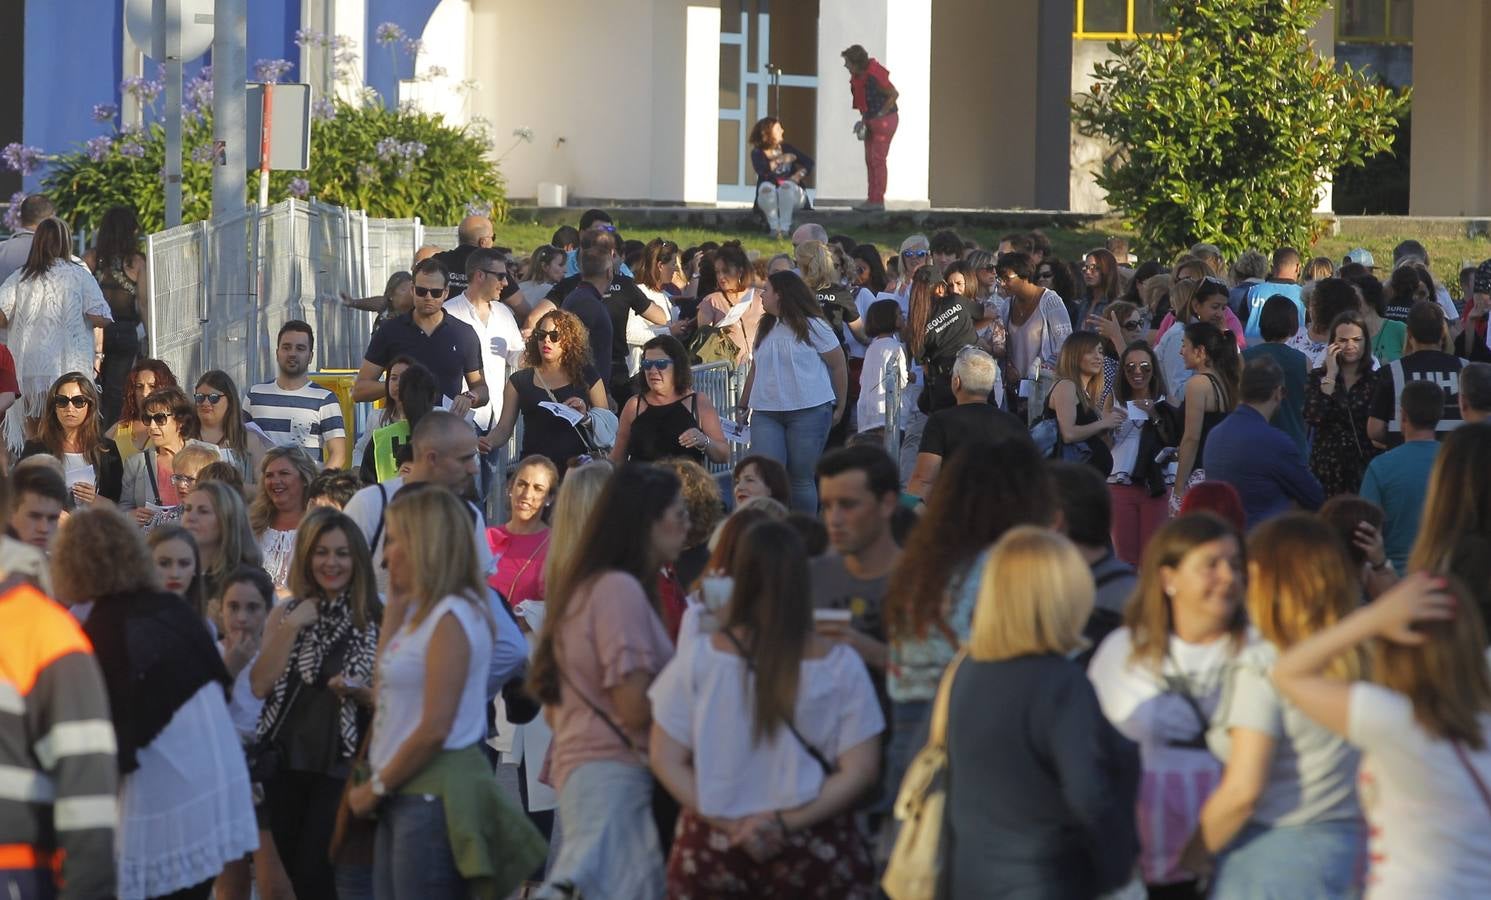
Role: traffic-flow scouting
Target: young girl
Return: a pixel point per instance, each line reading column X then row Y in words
column 882, row 322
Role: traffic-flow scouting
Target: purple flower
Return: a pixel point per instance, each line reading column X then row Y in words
column 270, row 71
column 141, row 89
column 198, row 92
column 388, row 148
column 98, row 148
column 310, row 37
column 367, row 172
column 323, row 109
column 412, row 46
column 478, row 207
column 13, row 211
column 388, row 33
column 436, row 72
column 299, row 187
column 21, row 158
column 132, row 149
column 104, row 112
column 202, row 153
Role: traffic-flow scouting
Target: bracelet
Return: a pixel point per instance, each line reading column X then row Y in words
column 708, row 441
column 1383, row 566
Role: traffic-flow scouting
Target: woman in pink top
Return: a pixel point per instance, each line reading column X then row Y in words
column 521, row 546
column 732, row 272
column 602, row 644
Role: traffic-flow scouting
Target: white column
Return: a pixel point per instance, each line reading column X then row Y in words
column 685, row 92
column 899, row 34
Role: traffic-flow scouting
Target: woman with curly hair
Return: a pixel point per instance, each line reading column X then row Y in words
column 130, row 433
column 557, row 368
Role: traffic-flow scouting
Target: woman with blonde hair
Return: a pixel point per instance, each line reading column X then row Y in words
column 315, row 675
column 430, row 784
column 1082, row 407
column 279, row 504
column 1285, row 820
column 578, row 494
column 1159, row 678
column 1040, row 787
column 215, row 515
column 1423, row 726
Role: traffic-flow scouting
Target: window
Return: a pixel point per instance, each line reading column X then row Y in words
column 1374, row 21
column 1114, row 19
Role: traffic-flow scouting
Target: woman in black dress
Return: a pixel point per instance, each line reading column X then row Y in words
column 556, row 369
column 666, row 417
column 1337, row 403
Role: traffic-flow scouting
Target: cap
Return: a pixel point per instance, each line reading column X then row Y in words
column 1362, row 256
column 1483, row 278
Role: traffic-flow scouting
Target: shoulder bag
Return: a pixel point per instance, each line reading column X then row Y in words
column 598, row 429
column 919, row 857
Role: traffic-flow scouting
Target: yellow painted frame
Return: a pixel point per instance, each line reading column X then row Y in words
column 1081, row 33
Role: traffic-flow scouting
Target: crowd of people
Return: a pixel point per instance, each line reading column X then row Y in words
column 1165, row 579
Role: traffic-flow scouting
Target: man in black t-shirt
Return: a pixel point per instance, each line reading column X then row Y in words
column 1424, row 360
column 473, row 232
column 973, row 420
column 585, row 303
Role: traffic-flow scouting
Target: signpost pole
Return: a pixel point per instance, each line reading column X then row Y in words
column 171, row 15
column 229, row 72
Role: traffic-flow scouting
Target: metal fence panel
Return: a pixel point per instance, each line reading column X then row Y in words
column 720, row 382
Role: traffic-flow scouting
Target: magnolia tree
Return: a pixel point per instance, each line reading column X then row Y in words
column 1224, row 129
column 394, row 163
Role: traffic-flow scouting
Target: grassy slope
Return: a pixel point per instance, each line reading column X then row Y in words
column 1448, row 250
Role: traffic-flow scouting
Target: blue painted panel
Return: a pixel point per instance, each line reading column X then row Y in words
column 69, row 69
column 386, row 65
column 271, row 34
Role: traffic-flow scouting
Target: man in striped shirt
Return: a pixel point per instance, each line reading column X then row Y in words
column 293, row 411
column 58, row 775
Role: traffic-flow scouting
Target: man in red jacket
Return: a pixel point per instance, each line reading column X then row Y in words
column 875, row 98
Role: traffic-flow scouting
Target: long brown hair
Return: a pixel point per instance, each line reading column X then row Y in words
column 1458, row 501
column 1147, row 615
column 1445, row 677
column 362, row 590
column 235, row 436
column 196, row 592
column 1109, row 285
column 771, row 612
column 88, row 433
column 51, row 244
column 1069, row 367
column 797, row 305
column 919, row 304
column 1301, row 582
column 983, row 491
column 727, row 541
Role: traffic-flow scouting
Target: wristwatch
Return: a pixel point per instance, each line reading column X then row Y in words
column 376, row 783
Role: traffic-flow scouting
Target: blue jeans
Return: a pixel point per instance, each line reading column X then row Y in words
column 412, row 858
column 794, row 438
column 1322, row 859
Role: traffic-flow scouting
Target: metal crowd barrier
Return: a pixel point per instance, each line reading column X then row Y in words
column 890, row 379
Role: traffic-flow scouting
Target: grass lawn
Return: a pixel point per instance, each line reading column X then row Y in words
column 1449, row 248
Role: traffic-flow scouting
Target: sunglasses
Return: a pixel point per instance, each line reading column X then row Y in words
column 205, row 399
column 659, row 364
column 500, row 276
column 159, row 418
column 1090, row 267
column 543, row 335
column 1131, row 325
column 77, row 401
column 429, row 292
column 914, row 254
column 1137, row 367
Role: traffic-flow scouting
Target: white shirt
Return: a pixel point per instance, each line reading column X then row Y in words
column 791, row 374
column 401, row 682
column 871, row 409
column 863, row 297
column 1429, row 824
column 501, row 350
column 367, row 508
column 700, row 699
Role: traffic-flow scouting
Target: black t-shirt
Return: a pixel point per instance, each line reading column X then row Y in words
column 543, row 432
column 1423, row 365
column 949, row 329
column 455, row 261
column 622, row 297
column 968, row 423
column 838, row 308
column 586, row 303
column 449, row 352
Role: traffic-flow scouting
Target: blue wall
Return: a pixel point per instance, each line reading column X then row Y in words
column 386, row 65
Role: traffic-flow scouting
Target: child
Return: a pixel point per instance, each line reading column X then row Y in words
column 882, row 325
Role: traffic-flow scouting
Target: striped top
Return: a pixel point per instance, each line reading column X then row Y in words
column 58, row 778
column 305, row 417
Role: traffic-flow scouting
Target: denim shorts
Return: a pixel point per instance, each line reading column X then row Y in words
column 1294, row 862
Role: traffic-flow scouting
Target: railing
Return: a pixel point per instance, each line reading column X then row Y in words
column 721, row 383
column 890, row 379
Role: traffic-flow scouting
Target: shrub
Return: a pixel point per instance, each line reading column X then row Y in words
column 1224, row 129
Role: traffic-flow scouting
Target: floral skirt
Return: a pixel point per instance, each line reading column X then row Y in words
column 829, row 860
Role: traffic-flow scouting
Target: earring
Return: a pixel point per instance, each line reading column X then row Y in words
column 1170, row 591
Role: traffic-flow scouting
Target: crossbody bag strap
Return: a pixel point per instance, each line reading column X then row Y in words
column 382, row 511
column 813, row 751
column 1475, row 776
column 937, row 733
column 595, row 708
column 150, row 473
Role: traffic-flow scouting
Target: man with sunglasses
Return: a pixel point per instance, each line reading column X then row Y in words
column 445, row 345
column 501, row 344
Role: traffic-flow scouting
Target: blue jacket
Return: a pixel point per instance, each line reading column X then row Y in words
column 1263, row 463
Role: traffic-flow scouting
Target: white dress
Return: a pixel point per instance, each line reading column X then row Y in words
column 48, row 335
column 188, row 810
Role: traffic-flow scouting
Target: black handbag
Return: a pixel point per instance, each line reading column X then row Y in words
column 265, row 756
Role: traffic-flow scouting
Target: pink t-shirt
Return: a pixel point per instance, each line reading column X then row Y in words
column 520, row 563
column 743, row 332
column 611, row 631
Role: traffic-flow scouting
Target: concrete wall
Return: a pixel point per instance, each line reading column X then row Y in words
column 1450, row 172
column 1086, row 154
column 977, row 158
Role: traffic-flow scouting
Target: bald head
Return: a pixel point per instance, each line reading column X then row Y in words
column 811, row 231
column 444, row 447
column 475, row 231
column 424, row 253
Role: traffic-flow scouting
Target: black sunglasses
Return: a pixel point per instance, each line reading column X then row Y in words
column 659, row 364
column 543, row 335
column 78, row 401
column 428, row 292
column 159, row 418
column 500, row 276
column 213, row 398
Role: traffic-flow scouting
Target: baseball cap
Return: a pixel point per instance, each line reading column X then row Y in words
column 1362, row 256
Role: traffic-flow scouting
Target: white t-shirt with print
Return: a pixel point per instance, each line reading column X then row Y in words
column 791, row 374
column 1430, row 827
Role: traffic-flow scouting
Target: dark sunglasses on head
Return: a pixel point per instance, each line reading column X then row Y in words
column 659, row 364
column 428, row 292
column 159, row 418
column 78, row 401
column 606, row 226
column 543, row 335
column 214, row 398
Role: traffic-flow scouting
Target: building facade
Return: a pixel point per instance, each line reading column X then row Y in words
column 651, row 100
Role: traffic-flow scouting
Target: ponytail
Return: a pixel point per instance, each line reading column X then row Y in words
column 1221, row 350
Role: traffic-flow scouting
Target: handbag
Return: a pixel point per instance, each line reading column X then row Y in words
column 920, row 854
column 265, row 756
column 352, row 837
column 710, row 344
column 598, row 428
column 1046, row 433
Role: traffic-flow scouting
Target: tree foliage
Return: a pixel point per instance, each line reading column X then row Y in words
column 394, row 163
column 1224, row 129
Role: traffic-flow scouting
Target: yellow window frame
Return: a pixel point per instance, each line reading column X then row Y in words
column 1386, row 37
column 1080, row 32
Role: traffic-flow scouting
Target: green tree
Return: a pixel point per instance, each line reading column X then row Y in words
column 1224, row 128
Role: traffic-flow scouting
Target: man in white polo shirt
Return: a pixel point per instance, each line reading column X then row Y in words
column 293, row 411
column 501, row 346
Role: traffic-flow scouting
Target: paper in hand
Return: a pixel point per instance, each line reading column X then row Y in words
column 80, row 475
column 734, row 315
column 564, row 412
column 735, row 434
